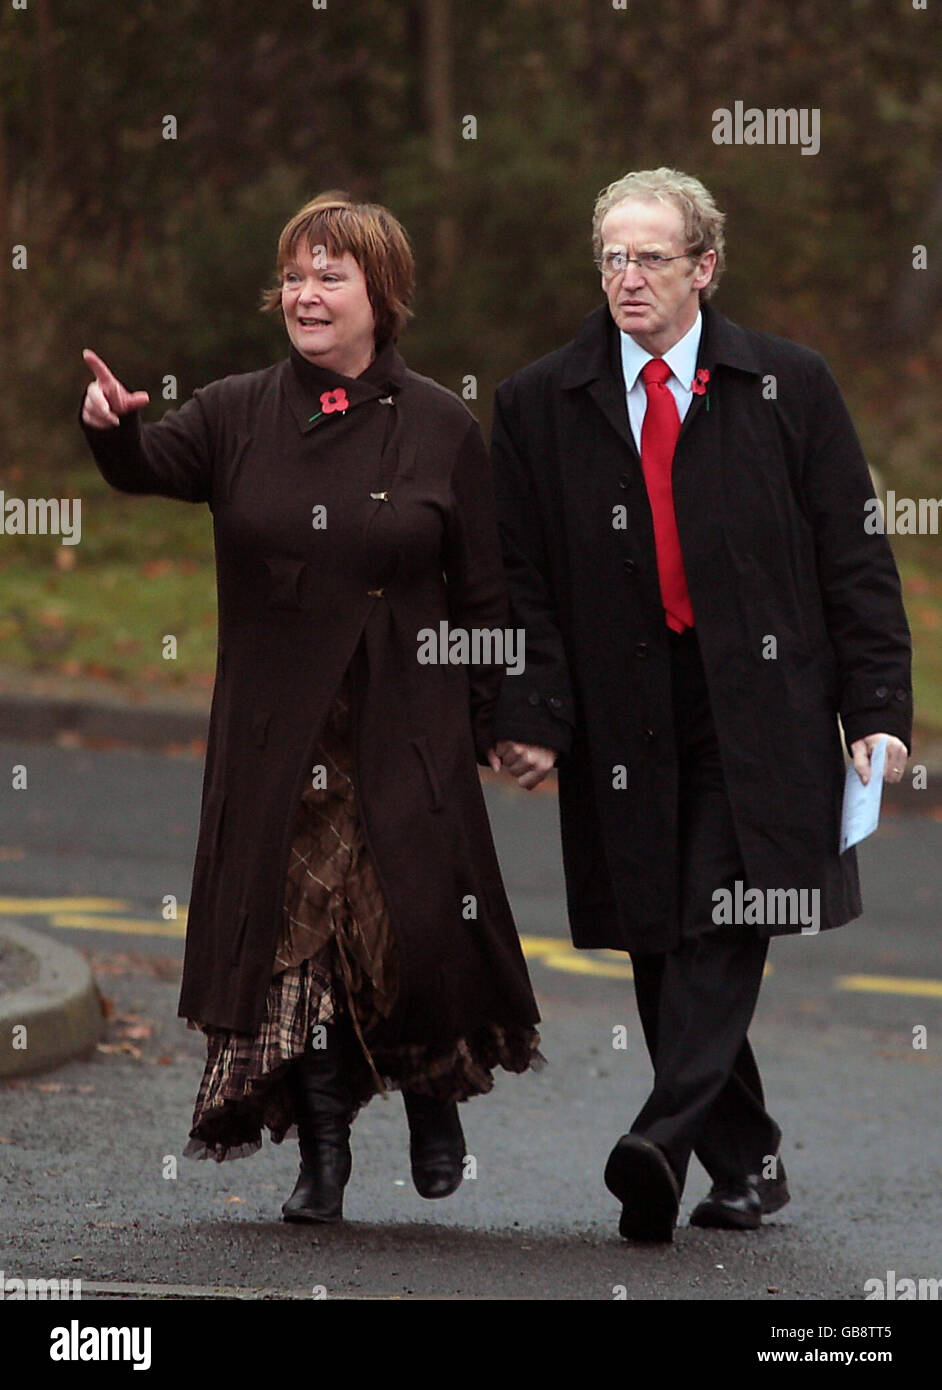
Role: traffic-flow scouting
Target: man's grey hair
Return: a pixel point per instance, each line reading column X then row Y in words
column 703, row 221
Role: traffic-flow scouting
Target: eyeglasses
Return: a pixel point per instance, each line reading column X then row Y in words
column 648, row 262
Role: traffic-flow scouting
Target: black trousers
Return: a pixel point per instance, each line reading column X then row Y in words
column 696, row 1002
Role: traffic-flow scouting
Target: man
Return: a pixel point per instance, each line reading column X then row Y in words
column 682, row 505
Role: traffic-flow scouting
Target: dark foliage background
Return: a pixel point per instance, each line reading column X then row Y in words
column 154, row 251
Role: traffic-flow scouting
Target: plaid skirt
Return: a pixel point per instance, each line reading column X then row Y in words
column 335, row 963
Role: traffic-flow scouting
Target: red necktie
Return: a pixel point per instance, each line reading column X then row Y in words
column 658, row 437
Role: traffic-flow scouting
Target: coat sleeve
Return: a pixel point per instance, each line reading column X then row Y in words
column 860, row 585
column 536, row 706
column 474, row 576
column 172, row 457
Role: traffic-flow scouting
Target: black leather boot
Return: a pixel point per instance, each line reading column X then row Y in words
column 325, row 1110
column 436, row 1145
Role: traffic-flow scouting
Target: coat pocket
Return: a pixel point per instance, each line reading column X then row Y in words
column 238, row 939
column 284, row 579
column 421, row 746
column 260, row 722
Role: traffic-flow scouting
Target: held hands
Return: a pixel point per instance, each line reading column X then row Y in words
column 106, row 399
column 896, row 756
column 528, row 762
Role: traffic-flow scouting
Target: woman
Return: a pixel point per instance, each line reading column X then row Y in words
column 348, row 931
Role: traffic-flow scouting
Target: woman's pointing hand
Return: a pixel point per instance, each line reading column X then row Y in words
column 106, row 399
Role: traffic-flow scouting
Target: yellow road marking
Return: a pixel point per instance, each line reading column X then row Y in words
column 40, row 907
column 559, row 955
column 134, row 926
column 890, row 984
column 85, row 914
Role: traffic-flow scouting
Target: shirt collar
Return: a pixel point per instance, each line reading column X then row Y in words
column 681, row 358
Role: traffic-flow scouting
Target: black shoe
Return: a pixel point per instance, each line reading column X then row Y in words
column 639, row 1175
column 740, row 1206
column 436, row 1145
column 773, row 1192
column 325, row 1109
column 730, row 1207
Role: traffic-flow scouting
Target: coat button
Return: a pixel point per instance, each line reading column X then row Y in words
column 901, row 695
column 881, row 692
column 624, row 480
column 649, row 735
column 554, row 702
column 533, row 699
column 630, row 567
column 642, row 649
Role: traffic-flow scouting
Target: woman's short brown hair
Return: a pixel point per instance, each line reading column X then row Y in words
column 376, row 241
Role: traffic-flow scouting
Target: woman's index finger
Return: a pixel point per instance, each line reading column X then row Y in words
column 102, row 372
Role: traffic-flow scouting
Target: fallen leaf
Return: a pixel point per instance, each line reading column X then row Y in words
column 126, row 1048
column 104, row 963
column 153, row 569
column 136, row 1030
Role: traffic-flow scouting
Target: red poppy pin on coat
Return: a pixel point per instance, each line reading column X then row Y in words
column 332, row 401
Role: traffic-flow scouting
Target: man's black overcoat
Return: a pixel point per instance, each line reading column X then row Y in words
column 797, row 608
column 406, row 540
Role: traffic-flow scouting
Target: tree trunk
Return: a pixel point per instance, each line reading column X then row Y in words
column 4, row 215
column 440, row 118
column 47, row 100
column 919, row 291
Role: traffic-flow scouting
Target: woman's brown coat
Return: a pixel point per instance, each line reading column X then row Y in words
column 406, row 540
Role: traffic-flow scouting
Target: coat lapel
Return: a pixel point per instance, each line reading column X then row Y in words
column 593, row 364
column 701, row 458
column 723, row 344
column 304, row 383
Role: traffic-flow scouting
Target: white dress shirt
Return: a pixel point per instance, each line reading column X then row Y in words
column 682, row 360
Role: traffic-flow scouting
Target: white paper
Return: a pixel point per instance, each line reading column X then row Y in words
column 861, row 814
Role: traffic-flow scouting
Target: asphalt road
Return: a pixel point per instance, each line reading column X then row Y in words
column 88, row 853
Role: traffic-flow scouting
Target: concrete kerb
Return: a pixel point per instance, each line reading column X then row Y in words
column 44, row 719
column 60, row 1009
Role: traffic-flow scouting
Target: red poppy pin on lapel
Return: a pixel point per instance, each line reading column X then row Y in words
column 699, row 384
column 331, row 401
